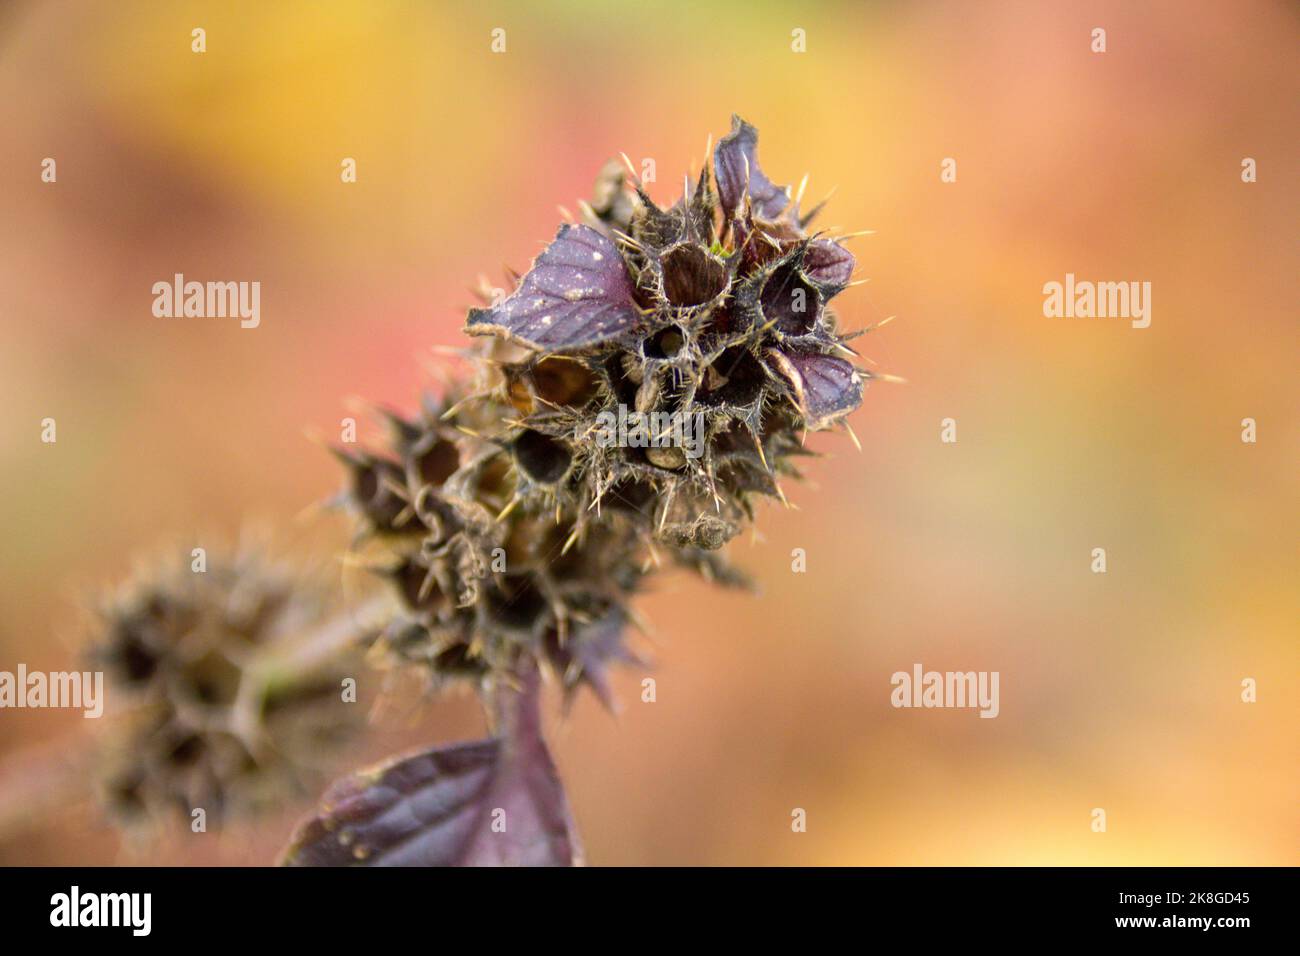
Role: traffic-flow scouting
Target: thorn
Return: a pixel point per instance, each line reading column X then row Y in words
column 404, row 517
column 761, row 457
column 351, row 459
column 798, row 196
column 312, row 512
column 631, row 169
column 510, row 506
column 314, row 436
column 624, row 237
column 853, row 435
column 350, row 559
column 565, row 214
column 672, row 493
column 399, row 490
column 426, row 586
column 456, row 406
column 781, row 494
column 455, row 350
column 893, row 379
column 357, row 405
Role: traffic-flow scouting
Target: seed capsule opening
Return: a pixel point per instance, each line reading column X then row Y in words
column 213, row 679
column 457, row 659
column 516, row 601
column 734, row 378
column 790, row 301
column 692, row 276
column 562, row 381
column 437, row 463
column 133, row 660
column 494, row 480
column 187, row 751
column 541, row 457
column 410, row 577
column 372, row 494
column 632, row 494
column 665, row 343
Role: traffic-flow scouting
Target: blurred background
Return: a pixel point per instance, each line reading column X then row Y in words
column 1118, row 690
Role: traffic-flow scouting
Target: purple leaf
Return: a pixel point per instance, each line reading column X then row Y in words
column 828, row 263
column 825, row 388
column 735, row 167
column 490, row 803
column 577, row 293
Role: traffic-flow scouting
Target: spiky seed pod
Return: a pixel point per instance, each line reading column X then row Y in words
column 217, row 715
column 530, row 529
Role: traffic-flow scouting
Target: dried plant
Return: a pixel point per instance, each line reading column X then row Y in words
column 650, row 379
column 519, row 527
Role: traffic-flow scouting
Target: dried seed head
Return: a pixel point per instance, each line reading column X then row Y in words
column 216, row 716
column 711, row 320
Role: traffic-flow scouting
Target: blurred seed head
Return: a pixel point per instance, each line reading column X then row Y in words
column 214, row 713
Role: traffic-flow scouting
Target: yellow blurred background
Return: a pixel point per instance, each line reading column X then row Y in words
column 1118, row 690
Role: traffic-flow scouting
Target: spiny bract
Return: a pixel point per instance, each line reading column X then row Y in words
column 516, row 524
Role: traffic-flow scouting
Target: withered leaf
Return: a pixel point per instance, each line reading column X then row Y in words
column 825, row 387
column 828, row 263
column 495, row 802
column 578, row 293
column 735, row 167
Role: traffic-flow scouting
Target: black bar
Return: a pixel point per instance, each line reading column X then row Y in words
column 238, row 906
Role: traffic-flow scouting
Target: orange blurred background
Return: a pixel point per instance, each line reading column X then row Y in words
column 1119, row 691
